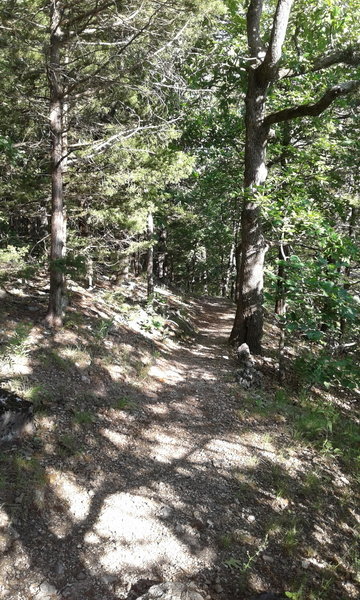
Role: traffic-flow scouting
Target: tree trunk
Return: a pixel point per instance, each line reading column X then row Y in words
column 58, row 226
column 263, row 72
column 161, row 258
column 280, row 302
column 347, row 270
column 248, row 325
column 150, row 256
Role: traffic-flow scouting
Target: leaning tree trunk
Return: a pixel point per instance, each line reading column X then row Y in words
column 58, row 227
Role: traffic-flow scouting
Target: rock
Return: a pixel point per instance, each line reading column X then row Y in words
column 59, row 568
column 305, row 564
column 5, row 542
column 47, row 591
column 268, row 559
column 248, row 377
column 218, row 588
column 251, row 519
column 16, row 416
column 85, row 379
column 165, row 512
column 141, row 587
column 173, row 591
column 243, row 352
column 109, row 579
column 184, row 327
column 81, row 576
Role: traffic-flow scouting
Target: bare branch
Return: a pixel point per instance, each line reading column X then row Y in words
column 101, row 146
column 313, row 110
column 170, row 42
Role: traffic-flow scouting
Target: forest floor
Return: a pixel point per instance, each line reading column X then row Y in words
column 150, row 463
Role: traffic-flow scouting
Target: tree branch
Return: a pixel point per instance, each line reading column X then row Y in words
column 313, row 110
column 278, row 32
column 350, row 56
column 253, row 27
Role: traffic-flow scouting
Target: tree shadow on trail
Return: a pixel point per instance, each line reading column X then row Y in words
column 123, row 483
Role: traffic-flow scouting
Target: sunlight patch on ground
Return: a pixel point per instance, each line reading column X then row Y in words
column 45, row 422
column 220, row 449
column 168, row 374
column 258, row 441
column 159, row 409
column 115, row 371
column 130, row 521
column 16, row 365
column 119, row 440
column 166, row 447
column 71, row 493
column 4, row 518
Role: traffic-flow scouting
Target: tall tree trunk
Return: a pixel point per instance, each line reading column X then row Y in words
column 248, row 324
column 150, row 255
column 58, row 226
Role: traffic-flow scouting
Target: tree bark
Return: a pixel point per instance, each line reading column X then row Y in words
column 58, row 225
column 248, row 324
column 150, row 256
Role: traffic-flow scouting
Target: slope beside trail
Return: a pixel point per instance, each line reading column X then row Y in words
column 179, row 482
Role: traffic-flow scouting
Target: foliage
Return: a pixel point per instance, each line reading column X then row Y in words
column 326, row 370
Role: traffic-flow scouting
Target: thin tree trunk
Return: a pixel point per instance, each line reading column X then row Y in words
column 280, row 305
column 161, row 255
column 150, row 256
column 58, row 225
column 231, row 266
column 229, row 271
column 347, row 270
column 280, row 302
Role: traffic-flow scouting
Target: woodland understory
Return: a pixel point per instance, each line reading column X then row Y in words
column 179, row 178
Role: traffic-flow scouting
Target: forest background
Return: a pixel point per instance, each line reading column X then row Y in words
column 187, row 141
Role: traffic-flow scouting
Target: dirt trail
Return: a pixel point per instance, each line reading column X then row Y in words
column 178, row 488
column 181, row 483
